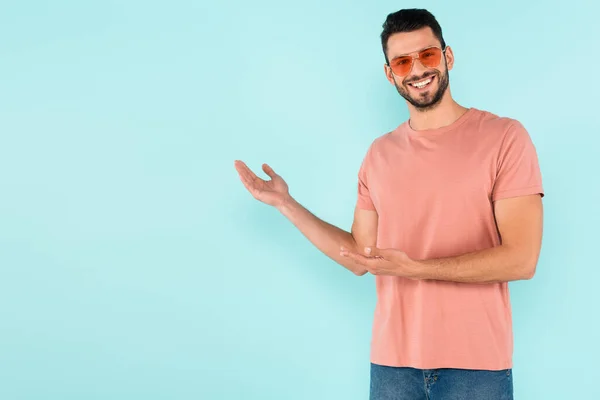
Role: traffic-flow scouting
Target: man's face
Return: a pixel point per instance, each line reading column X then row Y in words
column 427, row 97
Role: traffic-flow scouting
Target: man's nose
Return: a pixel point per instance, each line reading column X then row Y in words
column 417, row 68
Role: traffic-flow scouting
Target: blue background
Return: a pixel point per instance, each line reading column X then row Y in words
column 134, row 264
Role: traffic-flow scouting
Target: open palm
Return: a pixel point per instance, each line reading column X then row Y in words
column 272, row 192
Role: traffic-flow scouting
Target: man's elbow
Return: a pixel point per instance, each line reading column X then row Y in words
column 528, row 271
column 527, row 275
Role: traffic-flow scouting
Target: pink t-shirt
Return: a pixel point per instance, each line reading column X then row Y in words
column 433, row 191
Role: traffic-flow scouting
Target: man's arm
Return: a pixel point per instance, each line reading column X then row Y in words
column 519, row 222
column 329, row 238
column 326, row 237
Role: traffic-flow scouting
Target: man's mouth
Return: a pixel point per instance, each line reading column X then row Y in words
column 423, row 83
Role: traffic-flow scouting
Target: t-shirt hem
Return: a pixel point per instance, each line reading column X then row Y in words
column 538, row 189
column 481, row 367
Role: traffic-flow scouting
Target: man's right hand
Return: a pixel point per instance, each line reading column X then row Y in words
column 273, row 192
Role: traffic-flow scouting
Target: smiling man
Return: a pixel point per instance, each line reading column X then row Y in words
column 449, row 211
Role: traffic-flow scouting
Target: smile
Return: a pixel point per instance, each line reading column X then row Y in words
column 422, row 83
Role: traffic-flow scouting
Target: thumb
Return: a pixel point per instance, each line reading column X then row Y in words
column 269, row 171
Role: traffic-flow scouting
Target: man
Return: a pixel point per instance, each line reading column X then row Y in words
column 449, row 211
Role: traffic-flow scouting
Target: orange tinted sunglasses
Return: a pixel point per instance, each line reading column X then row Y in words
column 429, row 57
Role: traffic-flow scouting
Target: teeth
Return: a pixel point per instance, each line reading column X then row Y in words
column 421, row 84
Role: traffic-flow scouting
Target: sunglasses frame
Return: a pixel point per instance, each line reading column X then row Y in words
column 417, row 58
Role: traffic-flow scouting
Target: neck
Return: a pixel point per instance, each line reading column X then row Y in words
column 443, row 114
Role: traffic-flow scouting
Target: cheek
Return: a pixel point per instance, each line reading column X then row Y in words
column 439, row 76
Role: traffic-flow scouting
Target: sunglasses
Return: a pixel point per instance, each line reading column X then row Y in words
column 429, row 57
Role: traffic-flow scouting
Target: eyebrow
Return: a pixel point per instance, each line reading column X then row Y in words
column 416, row 51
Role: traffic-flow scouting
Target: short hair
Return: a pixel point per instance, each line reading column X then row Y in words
column 409, row 20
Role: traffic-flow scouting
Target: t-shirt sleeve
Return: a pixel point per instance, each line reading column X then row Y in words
column 518, row 172
column 364, row 200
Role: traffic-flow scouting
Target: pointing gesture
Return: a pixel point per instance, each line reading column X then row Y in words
column 273, row 192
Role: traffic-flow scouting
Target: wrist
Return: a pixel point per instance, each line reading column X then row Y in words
column 287, row 204
column 417, row 269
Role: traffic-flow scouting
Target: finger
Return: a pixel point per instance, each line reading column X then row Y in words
column 346, row 251
column 249, row 186
column 377, row 252
column 246, row 173
column 269, row 171
column 247, row 183
column 359, row 258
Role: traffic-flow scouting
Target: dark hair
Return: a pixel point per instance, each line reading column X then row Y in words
column 408, row 20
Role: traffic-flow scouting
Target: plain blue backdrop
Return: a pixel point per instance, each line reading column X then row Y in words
column 134, row 264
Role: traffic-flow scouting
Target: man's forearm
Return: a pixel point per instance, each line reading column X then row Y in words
column 326, row 237
column 497, row 264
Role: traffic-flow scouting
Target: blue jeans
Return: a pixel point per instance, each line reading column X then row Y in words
column 403, row 383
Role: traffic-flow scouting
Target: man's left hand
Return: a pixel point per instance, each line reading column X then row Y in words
column 385, row 262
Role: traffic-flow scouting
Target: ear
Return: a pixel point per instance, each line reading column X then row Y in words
column 389, row 74
column 449, row 57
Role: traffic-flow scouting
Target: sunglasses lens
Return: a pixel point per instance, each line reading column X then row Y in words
column 431, row 57
column 401, row 65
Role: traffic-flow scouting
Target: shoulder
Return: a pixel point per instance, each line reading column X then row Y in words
column 499, row 128
column 496, row 122
column 385, row 142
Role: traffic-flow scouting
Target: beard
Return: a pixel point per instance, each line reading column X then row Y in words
column 425, row 101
